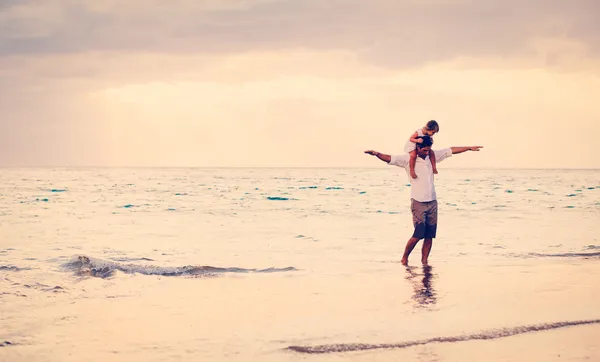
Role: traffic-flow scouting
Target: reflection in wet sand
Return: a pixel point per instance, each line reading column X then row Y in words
column 424, row 294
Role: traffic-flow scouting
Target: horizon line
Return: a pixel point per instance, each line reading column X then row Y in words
column 295, row 167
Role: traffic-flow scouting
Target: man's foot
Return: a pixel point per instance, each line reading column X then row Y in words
column 413, row 174
column 404, row 261
column 435, row 171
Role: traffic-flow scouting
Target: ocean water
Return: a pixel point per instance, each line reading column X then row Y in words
column 296, row 264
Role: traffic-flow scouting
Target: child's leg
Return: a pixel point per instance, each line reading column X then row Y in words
column 412, row 162
column 432, row 160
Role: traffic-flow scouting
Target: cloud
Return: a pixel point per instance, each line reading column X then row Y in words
column 386, row 32
column 165, row 83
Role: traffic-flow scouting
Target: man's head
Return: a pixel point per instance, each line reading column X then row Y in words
column 424, row 147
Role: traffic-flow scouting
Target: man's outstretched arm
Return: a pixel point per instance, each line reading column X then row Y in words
column 456, row 150
column 382, row 156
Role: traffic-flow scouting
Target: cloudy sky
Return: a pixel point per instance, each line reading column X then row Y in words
column 297, row 82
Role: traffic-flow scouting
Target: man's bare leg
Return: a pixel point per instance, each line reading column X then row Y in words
column 427, row 242
column 410, row 245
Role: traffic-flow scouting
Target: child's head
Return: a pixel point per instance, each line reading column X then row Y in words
column 431, row 128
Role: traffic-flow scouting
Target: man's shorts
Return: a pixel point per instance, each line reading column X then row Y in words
column 424, row 218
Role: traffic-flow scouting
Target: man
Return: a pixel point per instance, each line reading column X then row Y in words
column 422, row 193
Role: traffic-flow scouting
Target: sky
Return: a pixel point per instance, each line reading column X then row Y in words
column 297, row 83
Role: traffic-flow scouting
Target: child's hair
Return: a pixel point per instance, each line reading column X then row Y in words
column 433, row 126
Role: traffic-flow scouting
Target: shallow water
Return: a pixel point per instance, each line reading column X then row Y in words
column 267, row 264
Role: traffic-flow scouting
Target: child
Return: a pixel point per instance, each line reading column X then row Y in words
column 430, row 129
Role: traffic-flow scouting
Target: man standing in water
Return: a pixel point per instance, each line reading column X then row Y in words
column 422, row 194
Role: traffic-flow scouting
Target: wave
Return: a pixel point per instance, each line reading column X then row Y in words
column 566, row 255
column 491, row 334
column 43, row 287
column 84, row 265
column 33, row 286
column 12, row 268
column 278, row 198
column 125, row 259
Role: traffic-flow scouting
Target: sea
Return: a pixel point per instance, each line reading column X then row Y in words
column 296, row 264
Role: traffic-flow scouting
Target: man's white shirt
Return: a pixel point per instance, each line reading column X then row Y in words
column 422, row 188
